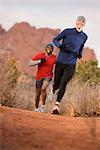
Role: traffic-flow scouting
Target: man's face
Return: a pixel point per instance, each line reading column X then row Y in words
column 49, row 50
column 80, row 24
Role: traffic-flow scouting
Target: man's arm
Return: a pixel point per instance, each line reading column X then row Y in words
column 58, row 38
column 79, row 55
column 37, row 59
column 36, row 62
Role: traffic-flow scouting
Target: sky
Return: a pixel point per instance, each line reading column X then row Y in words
column 54, row 14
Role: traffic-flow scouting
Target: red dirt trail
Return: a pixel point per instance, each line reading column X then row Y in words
column 27, row 130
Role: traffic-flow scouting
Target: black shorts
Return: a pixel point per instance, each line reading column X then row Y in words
column 40, row 82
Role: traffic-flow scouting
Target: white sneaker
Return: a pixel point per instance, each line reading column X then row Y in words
column 56, row 108
column 36, row 110
column 42, row 109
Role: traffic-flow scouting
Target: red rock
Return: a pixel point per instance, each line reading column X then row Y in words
column 2, row 30
column 88, row 54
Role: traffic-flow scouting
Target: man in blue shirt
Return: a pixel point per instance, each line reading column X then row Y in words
column 70, row 42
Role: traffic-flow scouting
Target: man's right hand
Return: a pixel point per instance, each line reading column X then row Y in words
column 43, row 60
column 79, row 55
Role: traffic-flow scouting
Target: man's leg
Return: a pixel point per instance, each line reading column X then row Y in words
column 38, row 92
column 68, row 74
column 57, row 76
column 37, row 97
column 43, row 91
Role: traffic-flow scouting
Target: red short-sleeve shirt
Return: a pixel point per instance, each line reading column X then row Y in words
column 45, row 69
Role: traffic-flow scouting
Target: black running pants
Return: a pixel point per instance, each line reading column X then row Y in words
column 62, row 75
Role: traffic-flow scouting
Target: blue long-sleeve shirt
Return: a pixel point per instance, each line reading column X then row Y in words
column 72, row 43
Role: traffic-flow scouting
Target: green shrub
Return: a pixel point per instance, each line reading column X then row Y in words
column 88, row 71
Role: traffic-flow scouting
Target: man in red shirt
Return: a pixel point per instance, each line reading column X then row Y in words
column 45, row 61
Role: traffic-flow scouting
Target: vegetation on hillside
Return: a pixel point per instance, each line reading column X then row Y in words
column 88, row 72
column 8, row 79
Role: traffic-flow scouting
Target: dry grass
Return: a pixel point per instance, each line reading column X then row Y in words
column 81, row 99
column 25, row 93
